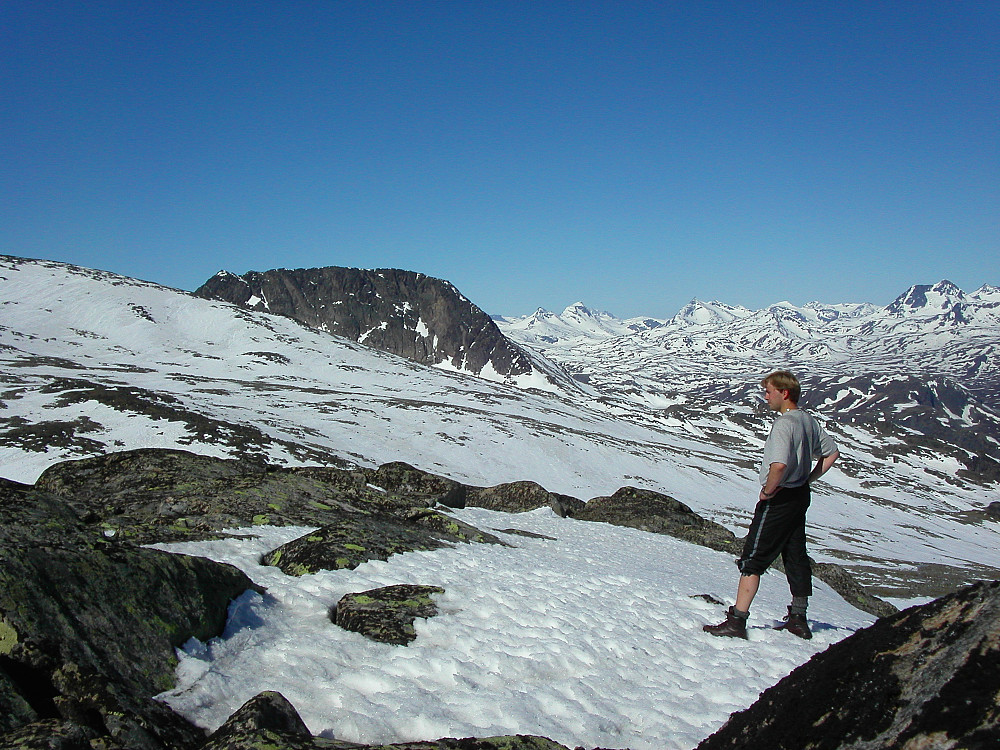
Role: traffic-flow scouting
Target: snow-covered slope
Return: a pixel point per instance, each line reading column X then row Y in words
column 586, row 633
column 93, row 362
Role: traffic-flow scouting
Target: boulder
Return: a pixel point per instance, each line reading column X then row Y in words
column 269, row 718
column 357, row 538
column 89, row 624
column 652, row 511
column 386, row 614
column 402, row 479
column 518, row 497
column 927, row 677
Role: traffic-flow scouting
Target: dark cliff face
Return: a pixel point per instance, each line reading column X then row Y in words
column 415, row 316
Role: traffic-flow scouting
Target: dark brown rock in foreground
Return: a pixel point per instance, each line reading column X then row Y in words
column 927, row 678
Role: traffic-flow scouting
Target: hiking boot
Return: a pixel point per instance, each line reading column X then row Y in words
column 796, row 625
column 733, row 626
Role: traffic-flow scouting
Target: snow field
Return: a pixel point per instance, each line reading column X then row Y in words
column 589, row 638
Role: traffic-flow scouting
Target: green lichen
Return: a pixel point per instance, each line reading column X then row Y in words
column 298, row 569
column 354, row 547
column 262, row 519
column 342, row 562
column 362, row 599
column 8, row 637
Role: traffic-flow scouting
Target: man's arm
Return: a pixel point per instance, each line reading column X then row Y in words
column 774, row 476
column 823, row 465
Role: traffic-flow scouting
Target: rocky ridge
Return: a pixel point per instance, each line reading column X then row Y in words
column 415, row 316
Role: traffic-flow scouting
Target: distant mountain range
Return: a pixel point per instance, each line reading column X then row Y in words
column 922, row 373
column 581, row 402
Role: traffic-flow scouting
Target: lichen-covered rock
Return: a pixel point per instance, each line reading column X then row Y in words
column 518, row 497
column 267, row 715
column 402, row 479
column 387, row 614
column 652, row 511
column 927, row 677
column 158, row 495
column 357, row 538
column 88, row 624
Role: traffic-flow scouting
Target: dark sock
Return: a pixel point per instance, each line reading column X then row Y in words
column 740, row 613
column 798, row 605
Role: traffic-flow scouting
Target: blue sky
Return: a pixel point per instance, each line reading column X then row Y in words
column 631, row 155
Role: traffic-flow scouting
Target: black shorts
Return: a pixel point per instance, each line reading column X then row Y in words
column 779, row 528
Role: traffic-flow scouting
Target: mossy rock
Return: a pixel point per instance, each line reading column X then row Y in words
column 75, row 602
column 387, row 614
column 356, row 539
column 518, row 497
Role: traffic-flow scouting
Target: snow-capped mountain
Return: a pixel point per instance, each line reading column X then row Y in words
column 576, row 323
column 94, row 362
column 926, row 365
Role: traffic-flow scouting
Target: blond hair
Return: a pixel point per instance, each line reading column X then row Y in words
column 783, row 380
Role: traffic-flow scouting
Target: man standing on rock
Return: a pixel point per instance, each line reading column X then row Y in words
column 798, row 451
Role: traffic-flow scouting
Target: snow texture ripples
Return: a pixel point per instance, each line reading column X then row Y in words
column 590, row 637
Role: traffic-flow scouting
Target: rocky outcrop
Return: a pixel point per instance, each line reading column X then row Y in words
column 357, row 538
column 517, row 497
column 403, row 312
column 386, row 614
column 269, row 721
column 89, row 624
column 652, row 511
column 927, row 677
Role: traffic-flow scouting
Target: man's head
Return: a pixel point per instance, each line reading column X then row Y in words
column 781, row 386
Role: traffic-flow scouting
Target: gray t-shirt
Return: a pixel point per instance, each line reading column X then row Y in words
column 796, row 440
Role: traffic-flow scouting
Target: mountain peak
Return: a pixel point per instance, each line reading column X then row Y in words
column 926, row 299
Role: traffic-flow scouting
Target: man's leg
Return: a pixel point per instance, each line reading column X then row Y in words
column 799, row 575
column 746, row 591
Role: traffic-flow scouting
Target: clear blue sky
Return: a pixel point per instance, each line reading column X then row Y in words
column 632, row 155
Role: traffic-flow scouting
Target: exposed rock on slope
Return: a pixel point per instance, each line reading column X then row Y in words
column 416, row 316
column 88, row 625
column 269, row 721
column 927, row 677
column 387, row 614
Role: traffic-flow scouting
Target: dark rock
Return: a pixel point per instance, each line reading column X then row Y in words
column 518, row 497
column 88, row 625
column 652, row 511
column 387, row 614
column 52, row 734
column 926, row 677
column 853, row 593
column 415, row 316
column 993, row 509
column 266, row 713
column 357, row 538
column 403, row 479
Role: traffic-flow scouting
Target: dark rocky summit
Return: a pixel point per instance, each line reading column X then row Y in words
column 927, row 678
column 403, row 312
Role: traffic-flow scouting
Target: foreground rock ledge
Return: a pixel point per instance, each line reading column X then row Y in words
column 927, row 678
column 270, row 721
